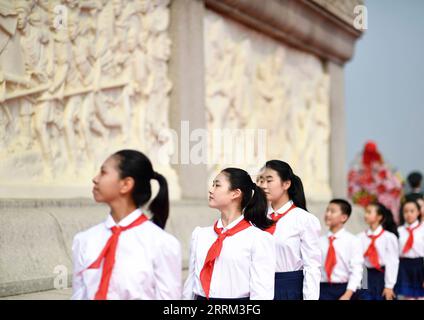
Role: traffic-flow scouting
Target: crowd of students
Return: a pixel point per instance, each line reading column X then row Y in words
column 265, row 244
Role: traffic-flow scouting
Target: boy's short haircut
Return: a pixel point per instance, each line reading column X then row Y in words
column 344, row 205
column 414, row 179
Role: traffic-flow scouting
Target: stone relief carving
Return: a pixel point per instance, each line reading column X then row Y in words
column 79, row 80
column 253, row 82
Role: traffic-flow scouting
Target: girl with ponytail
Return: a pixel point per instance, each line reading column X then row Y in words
column 381, row 252
column 296, row 233
column 128, row 256
column 234, row 258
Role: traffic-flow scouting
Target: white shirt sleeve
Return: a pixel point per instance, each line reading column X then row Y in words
column 356, row 265
column 188, row 293
column 391, row 261
column 78, row 288
column 262, row 269
column 167, row 269
column 311, row 256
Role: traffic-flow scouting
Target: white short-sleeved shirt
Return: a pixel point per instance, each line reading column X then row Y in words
column 147, row 266
column 244, row 268
column 297, row 247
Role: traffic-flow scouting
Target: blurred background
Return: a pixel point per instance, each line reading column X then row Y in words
column 385, row 87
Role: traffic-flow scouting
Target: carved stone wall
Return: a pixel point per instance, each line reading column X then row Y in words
column 78, row 81
column 255, row 82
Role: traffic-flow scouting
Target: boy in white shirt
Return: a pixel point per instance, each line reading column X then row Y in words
column 342, row 259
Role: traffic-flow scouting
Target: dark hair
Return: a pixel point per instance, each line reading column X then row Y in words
column 413, row 196
column 136, row 165
column 296, row 193
column 254, row 206
column 344, row 205
column 388, row 223
column 414, row 179
column 401, row 217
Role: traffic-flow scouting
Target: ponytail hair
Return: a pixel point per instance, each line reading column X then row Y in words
column 285, row 172
column 253, row 201
column 388, row 222
column 160, row 204
column 136, row 165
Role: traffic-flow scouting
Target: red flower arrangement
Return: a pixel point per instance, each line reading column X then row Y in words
column 372, row 180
